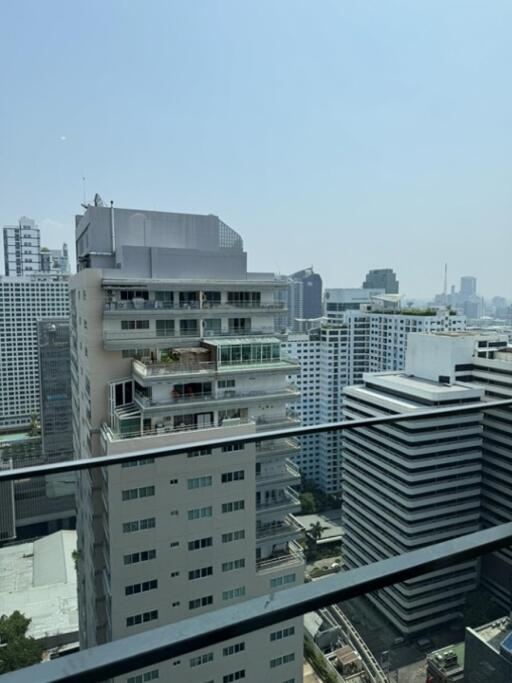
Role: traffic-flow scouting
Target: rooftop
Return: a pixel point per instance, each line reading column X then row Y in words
column 41, row 576
column 495, row 632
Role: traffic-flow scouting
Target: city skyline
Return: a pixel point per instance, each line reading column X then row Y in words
column 404, row 166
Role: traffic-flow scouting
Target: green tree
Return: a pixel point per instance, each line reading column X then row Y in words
column 315, row 531
column 307, row 502
column 16, row 649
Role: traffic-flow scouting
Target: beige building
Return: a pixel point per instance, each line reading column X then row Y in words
column 173, row 342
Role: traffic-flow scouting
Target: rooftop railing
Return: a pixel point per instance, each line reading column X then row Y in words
column 122, row 656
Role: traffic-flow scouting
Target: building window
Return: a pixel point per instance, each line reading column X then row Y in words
column 143, row 587
column 135, row 324
column 144, row 617
column 233, row 447
column 282, row 633
column 142, row 556
column 201, row 659
column 145, row 677
column 200, row 513
column 200, row 543
column 236, row 676
column 142, row 492
column 282, row 580
column 201, row 602
column 199, row 482
column 139, row 525
column 233, row 649
column 285, row 659
column 231, row 536
column 233, row 593
column 200, row 573
column 233, row 565
column 227, row 477
column 233, row 506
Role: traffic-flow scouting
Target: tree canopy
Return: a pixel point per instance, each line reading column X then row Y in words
column 16, row 649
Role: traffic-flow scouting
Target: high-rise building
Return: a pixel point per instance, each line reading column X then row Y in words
column 412, row 484
column 347, row 344
column 382, row 278
column 303, row 299
column 55, row 382
column 484, row 359
column 40, row 505
column 22, row 244
column 55, row 260
column 468, row 285
column 173, row 342
column 24, row 301
column 336, row 301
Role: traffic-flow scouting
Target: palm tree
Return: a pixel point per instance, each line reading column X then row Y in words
column 316, row 530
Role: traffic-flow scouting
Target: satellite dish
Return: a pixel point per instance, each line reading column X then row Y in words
column 98, row 201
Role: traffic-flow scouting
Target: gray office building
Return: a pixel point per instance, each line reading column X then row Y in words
column 382, row 278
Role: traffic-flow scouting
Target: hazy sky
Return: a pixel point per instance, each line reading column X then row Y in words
column 341, row 134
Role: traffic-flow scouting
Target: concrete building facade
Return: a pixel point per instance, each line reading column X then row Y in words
column 172, row 342
column 382, row 278
column 409, row 485
column 24, row 301
column 22, row 245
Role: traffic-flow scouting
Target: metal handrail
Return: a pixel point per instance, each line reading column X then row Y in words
column 165, row 451
column 181, row 638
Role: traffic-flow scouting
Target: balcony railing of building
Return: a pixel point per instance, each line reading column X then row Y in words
column 154, row 646
column 146, row 368
column 157, row 305
column 287, row 393
column 292, row 555
column 277, row 529
column 285, row 498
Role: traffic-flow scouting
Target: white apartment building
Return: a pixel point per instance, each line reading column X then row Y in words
column 485, row 360
column 173, row 343
column 349, row 342
column 22, row 244
column 305, row 348
column 23, row 301
column 412, row 484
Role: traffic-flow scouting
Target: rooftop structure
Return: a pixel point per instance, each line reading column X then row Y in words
column 382, row 278
column 39, row 578
column 488, row 652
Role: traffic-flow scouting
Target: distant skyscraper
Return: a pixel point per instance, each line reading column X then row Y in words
column 468, row 285
column 302, row 298
column 22, row 245
column 23, row 301
column 382, row 278
column 55, row 260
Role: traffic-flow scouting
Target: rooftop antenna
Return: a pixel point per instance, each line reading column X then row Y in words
column 84, row 186
column 445, row 290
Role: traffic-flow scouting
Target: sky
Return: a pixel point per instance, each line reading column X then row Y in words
column 339, row 134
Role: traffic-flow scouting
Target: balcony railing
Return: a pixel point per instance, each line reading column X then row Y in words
column 292, row 556
column 286, row 393
column 269, row 532
column 172, row 368
column 154, row 305
column 122, row 656
column 286, row 499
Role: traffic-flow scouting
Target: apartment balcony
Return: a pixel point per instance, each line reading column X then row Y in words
column 282, row 531
column 287, row 500
column 111, row 435
column 289, row 475
column 292, row 557
column 275, row 447
column 117, row 339
column 163, row 307
column 267, row 423
column 174, row 369
column 214, row 400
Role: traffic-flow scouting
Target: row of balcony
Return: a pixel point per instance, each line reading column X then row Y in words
column 141, row 336
column 289, row 419
column 285, row 393
column 157, row 305
column 147, row 369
